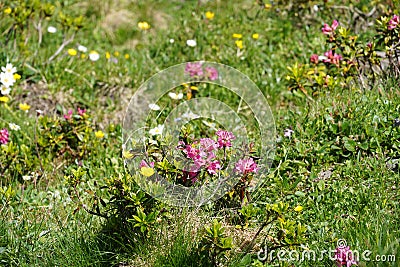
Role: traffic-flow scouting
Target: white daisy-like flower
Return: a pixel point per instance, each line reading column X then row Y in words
column 171, row 41
column 94, row 56
column 51, row 29
column 5, row 90
column 82, row 48
column 26, row 177
column 175, row 96
column 9, row 68
column 7, row 79
column 154, row 106
column 191, row 43
column 157, row 130
column 14, row 127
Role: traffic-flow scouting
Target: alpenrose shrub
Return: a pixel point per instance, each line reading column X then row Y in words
column 201, row 161
column 348, row 61
column 71, row 136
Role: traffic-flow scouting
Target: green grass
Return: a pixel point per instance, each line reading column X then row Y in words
column 335, row 164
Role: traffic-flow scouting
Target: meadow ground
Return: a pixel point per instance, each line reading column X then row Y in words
column 329, row 72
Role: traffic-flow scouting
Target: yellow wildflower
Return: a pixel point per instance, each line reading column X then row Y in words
column 108, row 55
column 237, row 35
column 298, row 208
column 116, row 53
column 126, row 56
column 4, row 99
column 17, row 76
column 72, row 52
column 99, row 134
column 7, row 10
column 24, row 107
column 210, row 15
column 267, row 6
column 143, row 25
column 239, row 44
column 147, row 171
column 83, row 56
column 255, row 36
column 127, row 154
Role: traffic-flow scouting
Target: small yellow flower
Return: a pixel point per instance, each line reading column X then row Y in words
column 298, row 208
column 4, row 99
column 17, row 76
column 147, row 171
column 72, row 52
column 7, row 10
column 255, row 36
column 143, row 25
column 108, row 55
column 210, row 15
column 24, row 107
column 237, row 35
column 126, row 56
column 127, row 154
column 267, row 6
column 99, row 134
column 116, row 53
column 239, row 44
column 83, row 56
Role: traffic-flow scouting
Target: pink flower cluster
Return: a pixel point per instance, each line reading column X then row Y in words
column 4, row 136
column 203, row 156
column 329, row 56
column 203, row 152
column 195, row 69
column 246, row 166
column 314, row 58
column 224, row 138
column 69, row 114
column 344, row 257
column 332, row 57
column 328, row 30
column 393, row 22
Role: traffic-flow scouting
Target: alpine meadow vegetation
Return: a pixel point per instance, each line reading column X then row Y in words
column 74, row 193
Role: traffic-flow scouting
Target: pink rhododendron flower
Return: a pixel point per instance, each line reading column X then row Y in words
column 245, row 166
column 314, row 59
column 143, row 163
column 191, row 152
column 68, row 116
column 393, row 22
column 224, row 138
column 4, row 136
column 81, row 111
column 332, row 58
column 194, row 69
column 344, row 257
column 212, row 73
column 213, row 167
column 330, row 29
column 208, row 144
